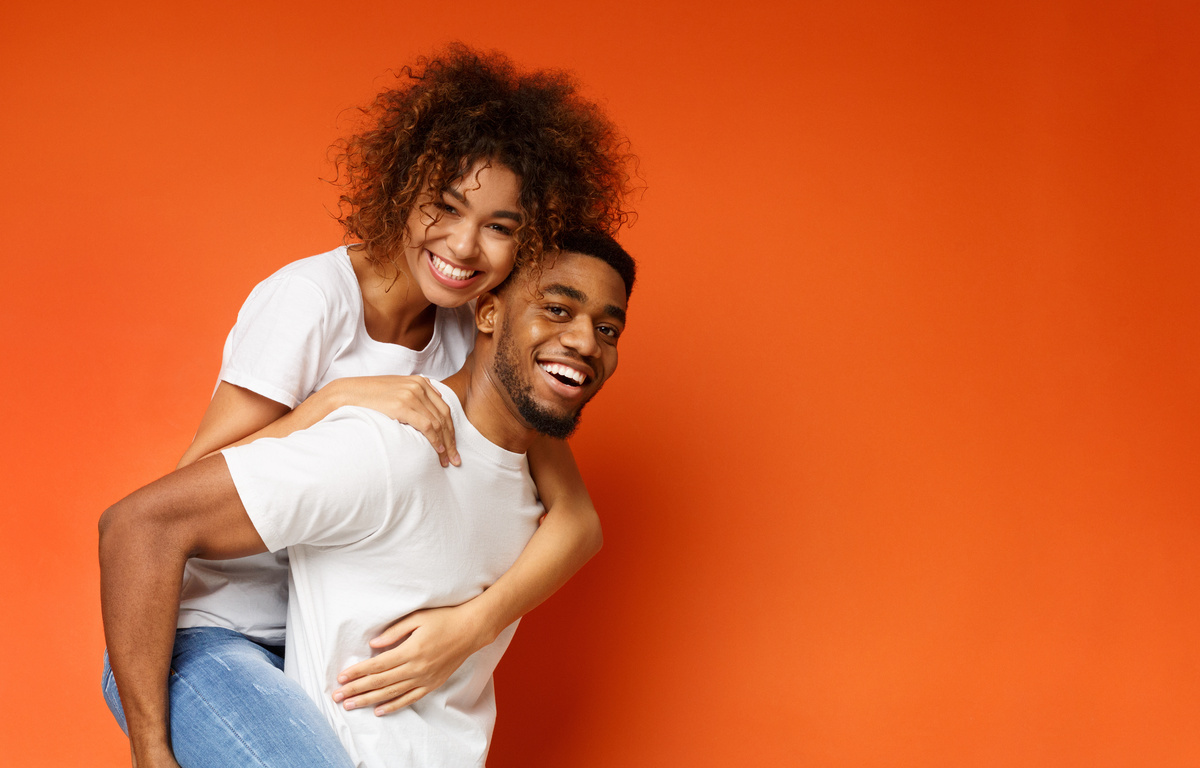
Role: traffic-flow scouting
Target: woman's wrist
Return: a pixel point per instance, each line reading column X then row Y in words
column 484, row 618
column 324, row 401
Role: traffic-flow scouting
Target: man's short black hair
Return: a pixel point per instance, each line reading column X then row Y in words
column 586, row 242
column 603, row 247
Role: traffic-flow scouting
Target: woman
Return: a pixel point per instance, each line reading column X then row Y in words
column 460, row 173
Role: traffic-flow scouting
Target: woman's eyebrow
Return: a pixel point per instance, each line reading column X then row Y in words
column 460, row 197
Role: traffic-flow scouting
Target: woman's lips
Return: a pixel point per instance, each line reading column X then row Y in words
column 447, row 273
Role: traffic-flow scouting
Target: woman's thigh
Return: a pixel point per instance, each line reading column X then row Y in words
column 231, row 705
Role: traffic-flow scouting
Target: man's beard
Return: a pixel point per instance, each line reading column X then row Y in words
column 520, row 391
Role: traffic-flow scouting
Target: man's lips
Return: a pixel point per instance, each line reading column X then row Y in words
column 449, row 273
column 572, row 375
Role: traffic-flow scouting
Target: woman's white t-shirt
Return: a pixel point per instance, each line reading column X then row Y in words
column 300, row 329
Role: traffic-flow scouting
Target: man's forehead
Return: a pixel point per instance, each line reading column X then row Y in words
column 580, row 277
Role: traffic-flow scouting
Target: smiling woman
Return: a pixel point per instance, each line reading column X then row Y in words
column 465, row 169
column 463, row 243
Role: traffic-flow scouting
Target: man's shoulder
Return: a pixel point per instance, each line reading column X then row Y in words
column 365, row 429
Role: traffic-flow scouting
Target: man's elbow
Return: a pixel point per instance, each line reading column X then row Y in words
column 593, row 535
column 129, row 529
column 109, row 519
column 117, row 533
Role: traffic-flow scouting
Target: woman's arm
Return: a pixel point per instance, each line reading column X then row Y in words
column 237, row 415
column 233, row 413
column 436, row 642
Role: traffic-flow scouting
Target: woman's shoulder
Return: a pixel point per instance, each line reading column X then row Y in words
column 330, row 272
column 326, row 279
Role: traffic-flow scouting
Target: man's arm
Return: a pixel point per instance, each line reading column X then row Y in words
column 145, row 540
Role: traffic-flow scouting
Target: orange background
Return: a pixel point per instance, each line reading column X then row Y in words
column 901, row 466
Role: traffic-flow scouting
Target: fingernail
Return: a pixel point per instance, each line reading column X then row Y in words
column 379, row 712
column 341, row 679
column 338, row 695
column 349, row 704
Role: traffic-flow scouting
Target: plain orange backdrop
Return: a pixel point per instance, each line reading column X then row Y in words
column 902, row 464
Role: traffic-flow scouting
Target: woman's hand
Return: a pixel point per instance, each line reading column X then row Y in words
column 429, row 646
column 411, row 400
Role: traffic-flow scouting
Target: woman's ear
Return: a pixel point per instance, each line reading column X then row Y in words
column 485, row 313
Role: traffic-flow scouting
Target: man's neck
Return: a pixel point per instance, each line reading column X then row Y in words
column 488, row 410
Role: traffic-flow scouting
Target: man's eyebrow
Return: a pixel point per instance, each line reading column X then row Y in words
column 460, row 197
column 574, row 293
column 565, row 290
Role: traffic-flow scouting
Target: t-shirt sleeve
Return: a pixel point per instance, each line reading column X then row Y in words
column 278, row 348
column 327, row 485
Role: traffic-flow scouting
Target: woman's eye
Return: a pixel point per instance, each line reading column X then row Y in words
column 501, row 229
column 447, row 208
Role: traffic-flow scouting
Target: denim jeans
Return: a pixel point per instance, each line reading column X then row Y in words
column 231, row 705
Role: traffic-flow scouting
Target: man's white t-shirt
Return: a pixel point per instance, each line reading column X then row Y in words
column 300, row 329
column 377, row 529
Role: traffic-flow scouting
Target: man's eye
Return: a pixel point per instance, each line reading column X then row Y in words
column 556, row 311
column 609, row 331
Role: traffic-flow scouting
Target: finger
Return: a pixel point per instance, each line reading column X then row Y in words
column 392, row 659
column 432, row 417
column 428, row 424
column 379, row 696
column 438, row 403
column 415, row 695
column 413, row 405
column 434, row 407
column 396, row 632
column 371, row 683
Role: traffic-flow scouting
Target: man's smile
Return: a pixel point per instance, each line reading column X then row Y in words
column 572, row 377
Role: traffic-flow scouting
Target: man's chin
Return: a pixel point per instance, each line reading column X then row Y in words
column 544, row 421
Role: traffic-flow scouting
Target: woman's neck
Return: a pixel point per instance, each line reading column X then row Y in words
column 394, row 309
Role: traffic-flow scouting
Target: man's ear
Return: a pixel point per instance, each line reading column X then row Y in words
column 485, row 313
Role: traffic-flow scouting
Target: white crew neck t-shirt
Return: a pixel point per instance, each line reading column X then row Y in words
column 377, row 529
column 300, row 329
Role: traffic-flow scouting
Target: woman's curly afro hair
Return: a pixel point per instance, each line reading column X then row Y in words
column 460, row 107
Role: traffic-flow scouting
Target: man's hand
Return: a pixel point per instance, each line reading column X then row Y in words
column 153, row 757
column 429, row 646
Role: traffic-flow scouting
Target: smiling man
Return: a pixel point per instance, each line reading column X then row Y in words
column 375, row 527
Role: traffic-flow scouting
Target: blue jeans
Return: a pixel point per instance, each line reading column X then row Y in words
column 231, row 705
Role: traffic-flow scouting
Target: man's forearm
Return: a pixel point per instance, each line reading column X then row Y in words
column 140, row 578
column 145, row 541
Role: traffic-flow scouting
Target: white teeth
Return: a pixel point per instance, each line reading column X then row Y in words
column 448, row 269
column 562, row 370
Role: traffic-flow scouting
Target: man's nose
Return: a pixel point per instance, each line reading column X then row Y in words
column 580, row 335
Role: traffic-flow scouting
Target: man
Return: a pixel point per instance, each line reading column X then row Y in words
column 375, row 527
